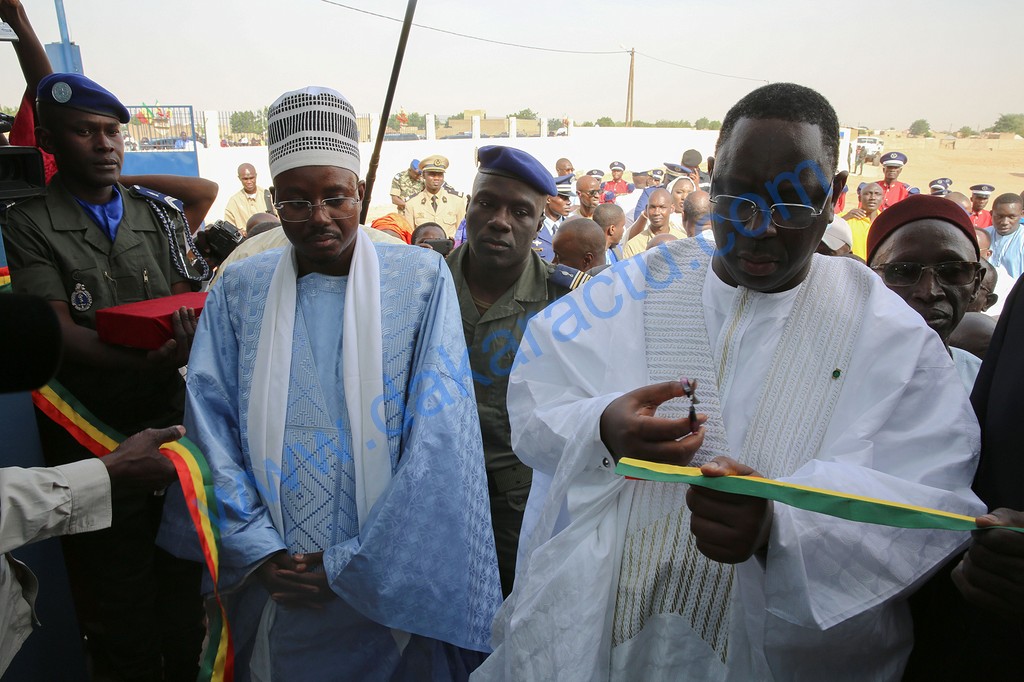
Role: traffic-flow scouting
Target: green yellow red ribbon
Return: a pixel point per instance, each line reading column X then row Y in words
column 197, row 485
column 830, row 502
column 5, row 280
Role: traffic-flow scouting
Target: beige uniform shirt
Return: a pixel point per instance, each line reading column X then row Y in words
column 242, row 206
column 447, row 208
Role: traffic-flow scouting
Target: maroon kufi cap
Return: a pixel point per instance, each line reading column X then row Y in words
column 919, row 207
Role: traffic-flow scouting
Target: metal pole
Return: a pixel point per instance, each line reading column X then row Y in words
column 371, row 174
column 65, row 40
column 629, row 89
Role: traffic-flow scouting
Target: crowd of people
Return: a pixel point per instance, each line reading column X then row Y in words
column 412, row 428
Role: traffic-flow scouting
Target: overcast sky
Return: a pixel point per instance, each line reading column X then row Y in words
column 883, row 66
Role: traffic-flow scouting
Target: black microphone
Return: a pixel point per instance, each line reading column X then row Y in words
column 30, row 342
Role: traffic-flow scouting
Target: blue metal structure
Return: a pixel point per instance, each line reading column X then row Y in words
column 153, row 143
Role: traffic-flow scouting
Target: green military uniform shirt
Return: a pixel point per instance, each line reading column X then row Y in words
column 450, row 210
column 57, row 252
column 493, row 339
column 403, row 186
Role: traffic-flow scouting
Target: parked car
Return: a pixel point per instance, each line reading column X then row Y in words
column 873, row 147
column 154, row 143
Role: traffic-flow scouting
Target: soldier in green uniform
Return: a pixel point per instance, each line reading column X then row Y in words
column 406, row 184
column 501, row 284
column 439, row 202
column 88, row 244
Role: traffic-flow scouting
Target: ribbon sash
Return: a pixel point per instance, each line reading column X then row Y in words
column 58, row 404
column 833, row 503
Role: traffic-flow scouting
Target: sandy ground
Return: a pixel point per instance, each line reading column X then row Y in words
column 995, row 162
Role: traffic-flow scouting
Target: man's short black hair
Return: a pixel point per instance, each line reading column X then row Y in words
column 420, row 229
column 1008, row 198
column 607, row 214
column 787, row 102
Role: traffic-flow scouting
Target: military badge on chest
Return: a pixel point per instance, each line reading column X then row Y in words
column 81, row 299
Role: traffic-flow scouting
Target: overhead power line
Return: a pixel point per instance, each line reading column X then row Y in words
column 693, row 68
column 469, row 37
column 538, row 47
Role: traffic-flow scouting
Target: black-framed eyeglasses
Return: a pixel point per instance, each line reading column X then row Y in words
column 299, row 211
column 740, row 211
column 592, row 193
column 952, row 273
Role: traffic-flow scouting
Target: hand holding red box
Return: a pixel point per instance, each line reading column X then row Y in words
column 146, row 324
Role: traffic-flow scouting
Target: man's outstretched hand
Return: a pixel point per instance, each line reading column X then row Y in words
column 629, row 427
column 729, row 528
column 137, row 462
column 991, row 574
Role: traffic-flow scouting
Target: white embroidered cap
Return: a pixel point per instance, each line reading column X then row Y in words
column 313, row 126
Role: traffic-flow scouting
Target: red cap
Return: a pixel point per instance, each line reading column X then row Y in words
column 919, row 207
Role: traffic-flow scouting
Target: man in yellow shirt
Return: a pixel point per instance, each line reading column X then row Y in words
column 658, row 210
column 249, row 200
column 859, row 219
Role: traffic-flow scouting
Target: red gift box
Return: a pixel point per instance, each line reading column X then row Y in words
column 146, row 324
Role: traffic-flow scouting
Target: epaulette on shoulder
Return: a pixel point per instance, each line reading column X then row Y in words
column 451, row 190
column 566, row 277
column 159, row 197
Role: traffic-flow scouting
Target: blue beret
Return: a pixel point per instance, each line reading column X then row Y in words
column 894, row 159
column 75, row 91
column 982, row 190
column 617, row 165
column 415, row 165
column 517, row 164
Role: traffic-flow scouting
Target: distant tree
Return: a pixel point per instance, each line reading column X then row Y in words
column 585, row 124
column 10, row 111
column 248, row 122
column 605, row 122
column 715, row 125
column 665, row 123
column 554, row 124
column 967, row 131
column 416, row 120
column 525, row 115
column 461, row 116
column 1009, row 123
column 919, row 127
column 702, row 123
